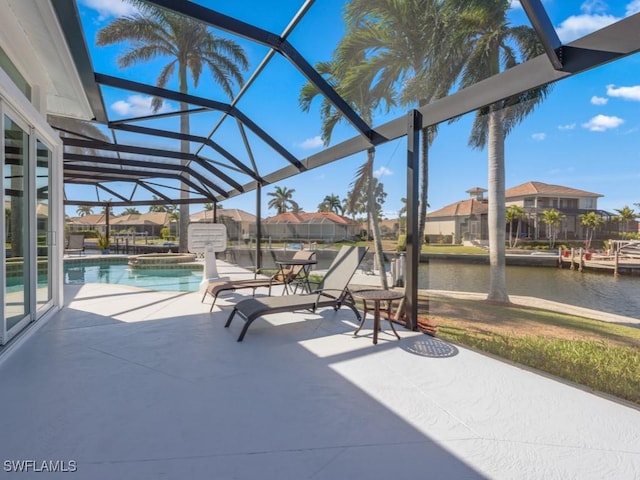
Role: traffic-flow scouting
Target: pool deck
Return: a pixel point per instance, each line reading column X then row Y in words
column 132, row 384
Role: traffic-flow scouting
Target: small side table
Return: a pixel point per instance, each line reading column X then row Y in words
column 377, row 296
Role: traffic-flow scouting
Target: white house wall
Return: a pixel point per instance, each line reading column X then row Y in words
column 14, row 40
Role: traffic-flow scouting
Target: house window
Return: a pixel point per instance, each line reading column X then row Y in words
column 569, row 203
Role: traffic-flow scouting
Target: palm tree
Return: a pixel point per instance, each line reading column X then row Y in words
column 84, row 210
column 131, row 211
column 491, row 46
column 514, row 212
column 208, row 207
column 626, row 215
column 107, row 209
column 405, row 43
column 174, row 217
column 354, row 204
column 364, row 98
column 331, row 203
column 552, row 218
column 402, row 214
column 157, row 208
column 282, row 200
column 591, row 221
column 190, row 46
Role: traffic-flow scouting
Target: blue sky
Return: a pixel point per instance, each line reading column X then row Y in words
column 585, row 135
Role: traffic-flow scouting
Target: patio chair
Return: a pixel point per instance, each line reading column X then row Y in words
column 333, row 292
column 75, row 244
column 284, row 276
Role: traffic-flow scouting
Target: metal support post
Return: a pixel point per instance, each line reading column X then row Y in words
column 413, row 242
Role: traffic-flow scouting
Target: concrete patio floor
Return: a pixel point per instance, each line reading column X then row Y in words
column 138, row 385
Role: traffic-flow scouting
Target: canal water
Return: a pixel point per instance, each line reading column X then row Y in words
column 619, row 295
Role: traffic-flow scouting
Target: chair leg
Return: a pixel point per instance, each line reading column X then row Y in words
column 244, row 330
column 230, row 318
column 215, row 297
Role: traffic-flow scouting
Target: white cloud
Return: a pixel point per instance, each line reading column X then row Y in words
column 515, row 4
column 137, row 105
column 310, row 143
column 633, row 7
column 628, row 93
column 577, row 26
column 593, row 6
column 539, row 136
column 110, row 8
column 569, row 126
column 381, row 172
column 595, row 100
column 600, row 123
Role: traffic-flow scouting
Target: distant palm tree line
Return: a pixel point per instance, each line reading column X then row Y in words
column 591, row 220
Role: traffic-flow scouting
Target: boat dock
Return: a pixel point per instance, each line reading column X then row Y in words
column 617, row 263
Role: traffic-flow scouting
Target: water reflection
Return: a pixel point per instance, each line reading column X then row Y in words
column 604, row 292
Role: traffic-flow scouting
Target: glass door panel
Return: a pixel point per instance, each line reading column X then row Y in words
column 16, row 154
column 44, row 227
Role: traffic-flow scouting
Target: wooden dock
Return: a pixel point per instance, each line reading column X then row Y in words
column 618, row 264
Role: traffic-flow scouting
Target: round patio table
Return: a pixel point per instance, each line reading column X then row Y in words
column 377, row 296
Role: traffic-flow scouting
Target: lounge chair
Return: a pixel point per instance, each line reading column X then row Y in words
column 284, row 276
column 333, row 292
column 75, row 244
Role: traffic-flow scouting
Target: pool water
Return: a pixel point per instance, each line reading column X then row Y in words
column 172, row 280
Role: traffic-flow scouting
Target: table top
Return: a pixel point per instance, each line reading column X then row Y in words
column 378, row 294
column 294, row 261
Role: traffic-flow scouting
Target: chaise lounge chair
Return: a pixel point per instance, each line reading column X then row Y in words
column 332, row 292
column 75, row 244
column 284, row 276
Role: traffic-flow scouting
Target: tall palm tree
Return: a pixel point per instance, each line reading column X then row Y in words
column 552, row 218
column 331, row 203
column 282, row 200
column 626, row 215
column 591, row 221
column 514, row 212
column 190, row 46
column 406, row 43
column 491, row 46
column 84, row 210
column 365, row 98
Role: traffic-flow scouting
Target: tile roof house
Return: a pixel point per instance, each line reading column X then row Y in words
column 315, row 226
column 142, row 223
column 466, row 220
column 241, row 225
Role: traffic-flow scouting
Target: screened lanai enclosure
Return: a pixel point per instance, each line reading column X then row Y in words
column 214, row 103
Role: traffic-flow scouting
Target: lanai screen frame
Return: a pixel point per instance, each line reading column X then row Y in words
column 560, row 61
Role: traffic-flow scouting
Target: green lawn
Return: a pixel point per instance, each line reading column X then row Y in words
column 599, row 355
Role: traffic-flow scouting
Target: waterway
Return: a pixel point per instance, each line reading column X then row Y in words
column 619, row 295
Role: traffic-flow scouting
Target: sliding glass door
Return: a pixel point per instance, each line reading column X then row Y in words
column 45, row 237
column 17, row 301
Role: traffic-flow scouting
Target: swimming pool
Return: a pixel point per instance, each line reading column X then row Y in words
column 168, row 279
